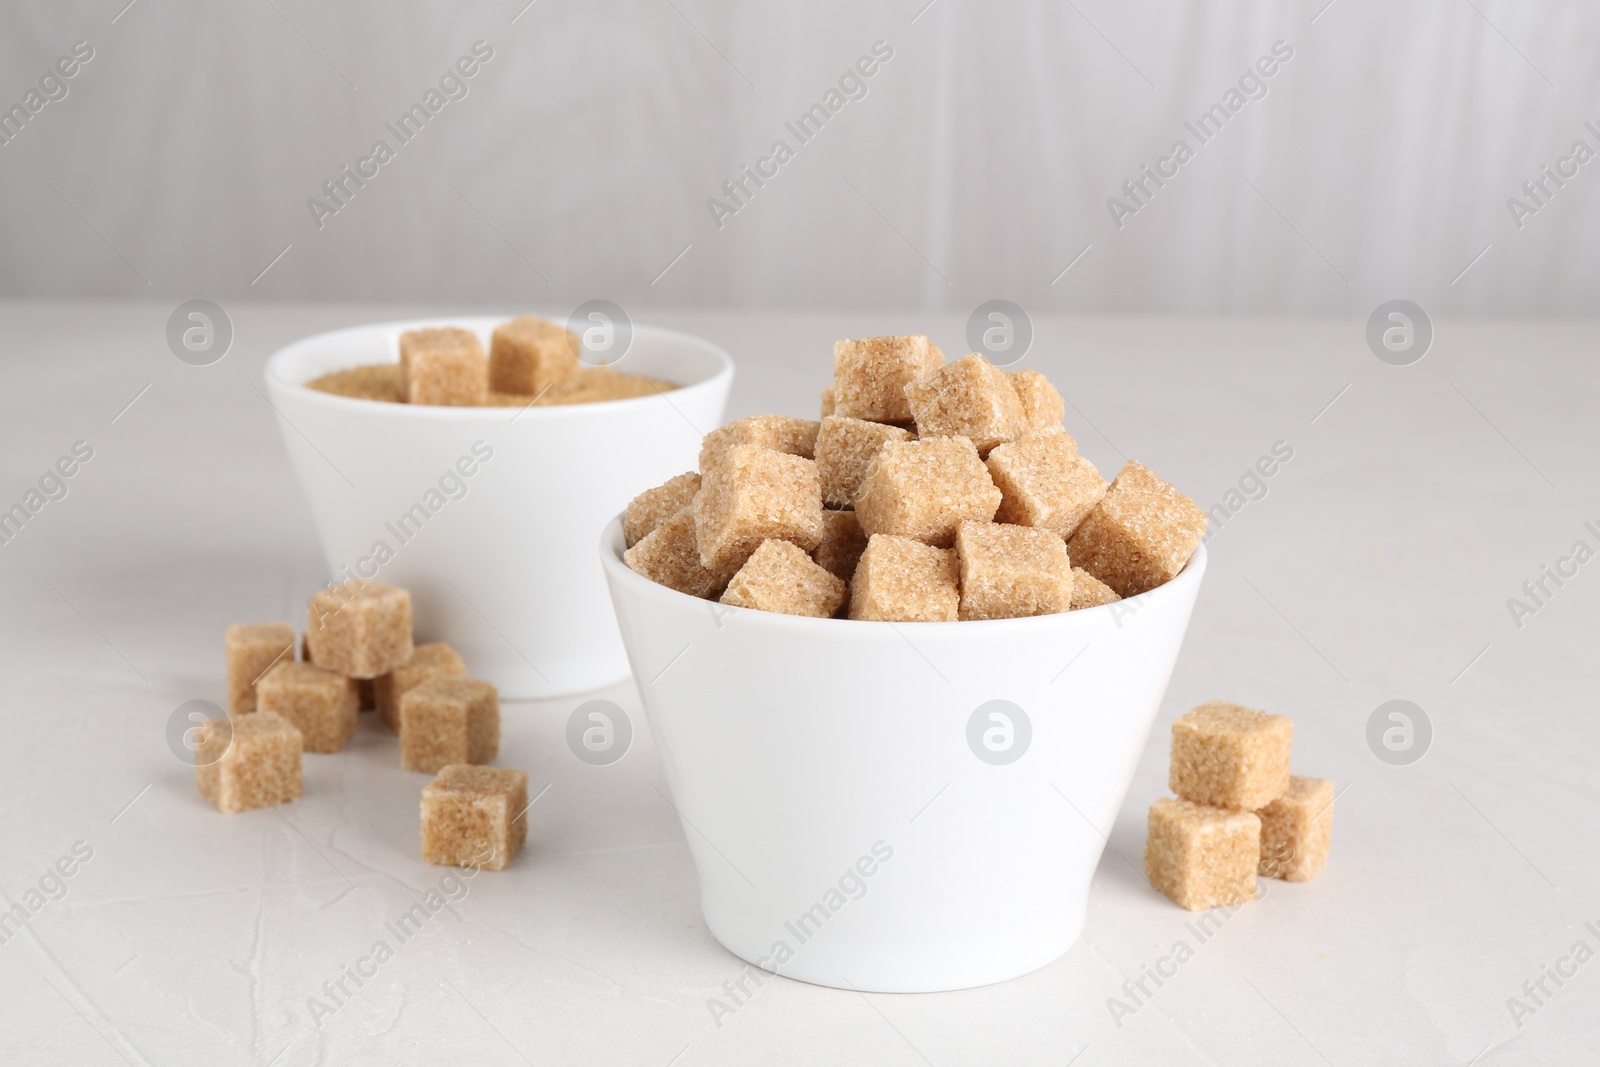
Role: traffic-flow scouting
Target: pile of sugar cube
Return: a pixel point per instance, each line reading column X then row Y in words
column 1238, row 813
column 928, row 492
column 357, row 654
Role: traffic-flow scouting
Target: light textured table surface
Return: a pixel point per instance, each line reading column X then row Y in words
column 1377, row 566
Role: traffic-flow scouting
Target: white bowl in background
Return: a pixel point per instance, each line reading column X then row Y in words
column 802, row 754
column 500, row 557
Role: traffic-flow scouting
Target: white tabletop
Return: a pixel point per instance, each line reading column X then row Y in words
column 1378, row 566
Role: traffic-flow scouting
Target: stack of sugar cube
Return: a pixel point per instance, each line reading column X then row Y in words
column 357, row 652
column 1238, row 813
column 928, row 492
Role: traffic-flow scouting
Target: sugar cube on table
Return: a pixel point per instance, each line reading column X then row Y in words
column 359, row 629
column 752, row 495
column 900, row 579
column 845, row 448
column 842, row 544
column 443, row 366
column 1230, row 756
column 781, row 577
column 1042, row 405
column 924, row 489
column 1089, row 591
column 969, row 398
column 826, row 407
column 251, row 649
column 449, row 720
column 1297, row 830
column 474, row 816
column 1009, row 572
column 433, row 660
column 655, row 506
column 780, row 433
column 870, row 375
column 325, row 707
column 670, row 555
column 1201, row 856
column 258, row 765
column 531, row 356
column 1044, row 481
column 1140, row 534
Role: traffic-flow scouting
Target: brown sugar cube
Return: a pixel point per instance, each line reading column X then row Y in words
column 1009, row 572
column 845, row 448
column 412, row 341
column 669, row 555
column 325, row 707
column 752, row 495
column 1141, row 533
column 259, row 763
column 1089, row 591
column 1297, row 829
column 870, row 375
column 435, row 337
column 903, row 580
column 251, row 649
column 443, row 366
column 780, row 577
column 363, row 685
column 530, row 356
column 359, row 629
column 1044, row 481
column 1200, row 856
column 655, row 506
column 474, row 816
column 969, row 398
column 1230, row 756
column 842, row 544
column 433, row 660
column 1042, row 405
column 924, row 489
column 449, row 720
column 780, row 433
column 827, row 401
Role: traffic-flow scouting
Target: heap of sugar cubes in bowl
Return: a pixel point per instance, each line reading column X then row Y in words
column 929, row 491
column 357, row 653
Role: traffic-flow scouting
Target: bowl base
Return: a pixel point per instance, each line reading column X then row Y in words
column 922, row 968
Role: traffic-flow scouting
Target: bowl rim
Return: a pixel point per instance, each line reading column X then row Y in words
column 611, row 541
column 278, row 381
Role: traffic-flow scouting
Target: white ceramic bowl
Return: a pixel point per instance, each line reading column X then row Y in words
column 500, row 557
column 802, row 754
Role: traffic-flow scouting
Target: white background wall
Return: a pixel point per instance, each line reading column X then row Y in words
column 979, row 164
